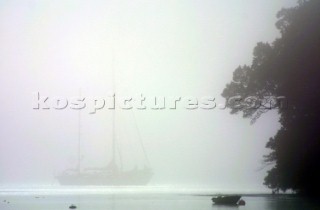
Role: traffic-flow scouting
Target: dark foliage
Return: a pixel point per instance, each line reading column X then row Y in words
column 288, row 67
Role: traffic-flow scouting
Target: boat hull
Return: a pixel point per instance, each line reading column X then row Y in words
column 226, row 200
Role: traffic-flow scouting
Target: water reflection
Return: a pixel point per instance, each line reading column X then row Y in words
column 149, row 202
column 289, row 202
column 224, row 207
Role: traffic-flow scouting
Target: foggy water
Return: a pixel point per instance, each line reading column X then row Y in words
column 146, row 202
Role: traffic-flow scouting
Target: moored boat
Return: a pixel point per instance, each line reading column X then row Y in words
column 226, row 199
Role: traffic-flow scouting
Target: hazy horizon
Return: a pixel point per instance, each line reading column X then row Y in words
column 158, row 48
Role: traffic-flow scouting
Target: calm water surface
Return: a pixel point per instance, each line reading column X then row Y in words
column 148, row 202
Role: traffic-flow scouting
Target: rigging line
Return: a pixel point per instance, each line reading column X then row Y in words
column 120, row 156
column 132, row 145
column 140, row 140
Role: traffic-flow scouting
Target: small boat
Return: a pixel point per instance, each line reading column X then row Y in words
column 72, row 207
column 226, row 199
column 241, row 202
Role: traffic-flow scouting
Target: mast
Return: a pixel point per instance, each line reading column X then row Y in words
column 115, row 146
column 113, row 161
column 79, row 134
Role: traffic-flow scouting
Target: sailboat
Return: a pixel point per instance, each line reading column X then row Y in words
column 110, row 175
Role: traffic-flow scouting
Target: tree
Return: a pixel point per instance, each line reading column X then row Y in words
column 289, row 67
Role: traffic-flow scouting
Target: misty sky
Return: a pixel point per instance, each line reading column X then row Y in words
column 156, row 48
